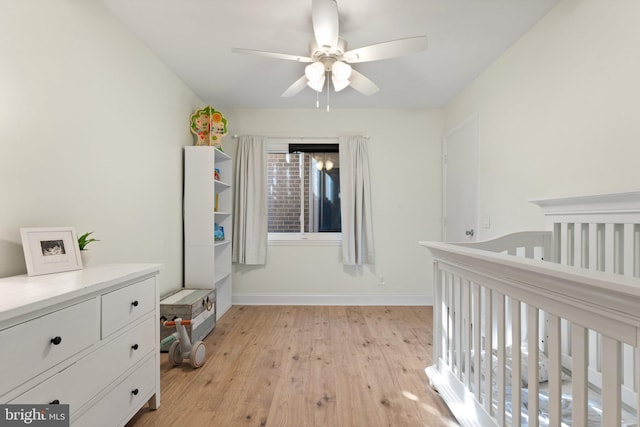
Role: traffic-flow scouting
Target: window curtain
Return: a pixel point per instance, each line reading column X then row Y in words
column 250, row 204
column 355, row 199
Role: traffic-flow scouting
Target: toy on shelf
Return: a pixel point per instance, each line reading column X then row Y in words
column 209, row 126
column 218, row 233
column 181, row 347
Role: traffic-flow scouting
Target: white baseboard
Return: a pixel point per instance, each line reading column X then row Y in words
column 292, row 299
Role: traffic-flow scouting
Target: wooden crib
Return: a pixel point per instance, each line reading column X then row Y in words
column 543, row 328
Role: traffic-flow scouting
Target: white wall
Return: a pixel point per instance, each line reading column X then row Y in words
column 404, row 154
column 91, row 130
column 559, row 112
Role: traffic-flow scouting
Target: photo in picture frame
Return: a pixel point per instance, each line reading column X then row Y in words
column 50, row 250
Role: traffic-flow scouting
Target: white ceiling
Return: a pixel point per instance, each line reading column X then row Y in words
column 194, row 38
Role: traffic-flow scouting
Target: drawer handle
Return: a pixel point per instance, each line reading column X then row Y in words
column 135, row 303
column 134, row 347
column 54, row 402
column 56, row 340
column 134, row 392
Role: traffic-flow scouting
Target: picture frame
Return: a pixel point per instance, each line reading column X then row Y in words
column 50, row 250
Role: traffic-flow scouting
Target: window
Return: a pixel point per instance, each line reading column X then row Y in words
column 303, row 185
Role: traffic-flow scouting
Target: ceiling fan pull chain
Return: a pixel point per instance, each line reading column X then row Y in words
column 328, row 90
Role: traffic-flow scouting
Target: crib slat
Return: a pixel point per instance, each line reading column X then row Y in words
column 529, row 252
column 578, row 253
column 449, row 331
column 467, row 333
column 579, row 375
column 637, row 377
column 565, row 343
column 532, row 337
column 629, row 246
column 457, row 331
column 629, row 353
column 488, row 335
column 500, row 382
column 516, row 363
column 593, row 246
column 609, row 248
column 553, row 331
column 477, row 346
column 437, row 313
column 611, row 382
column 593, row 265
column 564, row 244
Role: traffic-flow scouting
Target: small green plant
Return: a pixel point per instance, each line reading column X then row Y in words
column 84, row 240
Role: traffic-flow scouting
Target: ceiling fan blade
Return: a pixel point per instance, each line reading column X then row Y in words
column 324, row 14
column 390, row 49
column 362, row 84
column 296, row 87
column 275, row 55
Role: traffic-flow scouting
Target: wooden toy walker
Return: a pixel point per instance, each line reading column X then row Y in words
column 181, row 347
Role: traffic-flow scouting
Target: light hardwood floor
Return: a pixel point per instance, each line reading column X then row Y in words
column 306, row 366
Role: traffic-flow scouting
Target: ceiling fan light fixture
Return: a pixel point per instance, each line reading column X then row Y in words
column 317, row 85
column 341, row 70
column 314, row 72
column 339, row 84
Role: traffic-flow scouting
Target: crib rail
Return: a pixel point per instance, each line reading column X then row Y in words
column 528, row 244
column 487, row 304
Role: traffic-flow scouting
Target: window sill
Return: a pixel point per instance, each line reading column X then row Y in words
column 307, row 239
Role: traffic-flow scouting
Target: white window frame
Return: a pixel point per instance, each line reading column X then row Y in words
column 302, row 238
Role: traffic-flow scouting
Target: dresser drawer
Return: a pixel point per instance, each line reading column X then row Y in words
column 121, row 307
column 41, row 343
column 117, row 406
column 81, row 381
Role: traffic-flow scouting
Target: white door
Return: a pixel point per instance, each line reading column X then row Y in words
column 460, row 180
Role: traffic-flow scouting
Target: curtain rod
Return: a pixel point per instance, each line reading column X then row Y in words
column 301, row 138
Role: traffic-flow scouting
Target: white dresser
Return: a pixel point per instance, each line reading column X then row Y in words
column 87, row 338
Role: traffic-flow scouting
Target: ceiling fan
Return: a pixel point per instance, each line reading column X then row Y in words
column 329, row 57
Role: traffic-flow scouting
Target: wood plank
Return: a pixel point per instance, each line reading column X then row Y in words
column 295, row 366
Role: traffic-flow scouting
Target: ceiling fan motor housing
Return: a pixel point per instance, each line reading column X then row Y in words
column 327, row 56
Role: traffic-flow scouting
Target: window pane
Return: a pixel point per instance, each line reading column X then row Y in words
column 284, row 187
column 307, row 185
column 322, row 210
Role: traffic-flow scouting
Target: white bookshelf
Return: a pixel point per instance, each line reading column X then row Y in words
column 207, row 262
